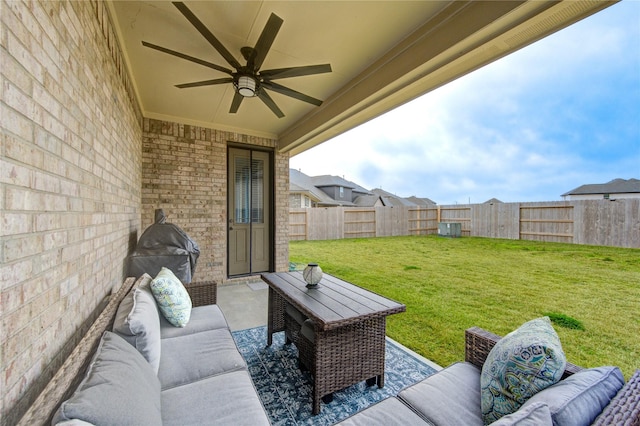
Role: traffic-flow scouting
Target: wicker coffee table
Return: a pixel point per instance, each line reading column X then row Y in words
column 349, row 325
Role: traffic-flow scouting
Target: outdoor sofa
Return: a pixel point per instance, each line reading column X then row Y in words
column 452, row 396
column 134, row 367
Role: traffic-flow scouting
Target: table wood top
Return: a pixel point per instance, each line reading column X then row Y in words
column 334, row 302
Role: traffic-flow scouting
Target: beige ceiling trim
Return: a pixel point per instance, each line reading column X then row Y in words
column 209, row 125
column 491, row 38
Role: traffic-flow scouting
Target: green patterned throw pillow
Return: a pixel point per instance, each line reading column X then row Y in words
column 173, row 299
column 521, row 364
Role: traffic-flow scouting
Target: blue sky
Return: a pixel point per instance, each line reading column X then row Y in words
column 560, row 113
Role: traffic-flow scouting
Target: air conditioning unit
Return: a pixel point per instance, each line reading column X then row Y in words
column 450, row 229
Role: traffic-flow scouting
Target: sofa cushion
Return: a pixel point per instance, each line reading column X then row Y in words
column 451, row 393
column 173, row 299
column 193, row 357
column 388, row 412
column 226, row 399
column 521, row 364
column 138, row 322
column 578, row 399
column 119, row 387
column 74, row 422
column 536, row 414
column 203, row 318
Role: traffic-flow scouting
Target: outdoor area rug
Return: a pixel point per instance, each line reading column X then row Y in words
column 286, row 391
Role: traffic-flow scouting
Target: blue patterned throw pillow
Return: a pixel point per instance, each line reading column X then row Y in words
column 521, row 364
column 173, row 299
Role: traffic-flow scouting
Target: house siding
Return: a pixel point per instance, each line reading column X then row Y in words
column 334, row 193
column 612, row 196
column 70, row 180
column 296, row 200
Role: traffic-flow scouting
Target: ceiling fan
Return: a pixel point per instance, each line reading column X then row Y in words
column 248, row 80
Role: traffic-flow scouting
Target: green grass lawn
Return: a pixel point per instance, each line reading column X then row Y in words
column 449, row 285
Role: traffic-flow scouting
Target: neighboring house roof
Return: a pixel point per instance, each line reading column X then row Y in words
column 293, row 187
column 367, row 200
column 424, row 202
column 390, row 199
column 311, row 186
column 328, row 180
column 492, row 201
column 616, row 186
column 301, row 183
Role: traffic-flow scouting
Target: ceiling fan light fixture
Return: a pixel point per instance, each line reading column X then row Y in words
column 246, row 86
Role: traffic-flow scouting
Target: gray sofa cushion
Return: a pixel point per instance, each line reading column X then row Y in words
column 203, row 318
column 119, row 387
column 138, row 322
column 193, row 357
column 536, row 414
column 227, row 399
column 578, row 399
column 388, row 412
column 452, row 393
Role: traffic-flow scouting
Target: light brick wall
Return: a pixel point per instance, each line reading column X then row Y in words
column 70, row 179
column 282, row 212
column 71, row 185
column 184, row 172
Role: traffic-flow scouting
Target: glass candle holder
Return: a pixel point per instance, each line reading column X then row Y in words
column 312, row 274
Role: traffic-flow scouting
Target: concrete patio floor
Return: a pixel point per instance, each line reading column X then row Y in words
column 244, row 303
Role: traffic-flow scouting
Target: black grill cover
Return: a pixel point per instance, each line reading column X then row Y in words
column 164, row 244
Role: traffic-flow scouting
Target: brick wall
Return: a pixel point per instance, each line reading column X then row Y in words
column 184, row 172
column 282, row 212
column 70, row 179
column 73, row 195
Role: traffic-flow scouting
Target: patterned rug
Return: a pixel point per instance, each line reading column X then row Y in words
column 286, row 391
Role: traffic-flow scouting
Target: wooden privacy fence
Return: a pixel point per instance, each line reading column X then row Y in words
column 595, row 222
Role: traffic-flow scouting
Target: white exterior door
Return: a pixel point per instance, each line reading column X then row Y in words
column 249, row 223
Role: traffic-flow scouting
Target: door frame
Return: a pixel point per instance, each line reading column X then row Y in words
column 271, row 207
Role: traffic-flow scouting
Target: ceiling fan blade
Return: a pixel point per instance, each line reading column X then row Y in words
column 265, row 41
column 275, row 74
column 187, row 57
column 207, row 34
column 235, row 104
column 204, row 83
column 270, row 103
column 290, row 92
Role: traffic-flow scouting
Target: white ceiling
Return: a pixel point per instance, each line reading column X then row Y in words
column 382, row 54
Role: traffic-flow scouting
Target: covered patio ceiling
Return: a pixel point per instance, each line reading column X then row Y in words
column 382, row 55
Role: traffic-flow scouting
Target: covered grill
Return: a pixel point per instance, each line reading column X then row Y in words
column 164, row 244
